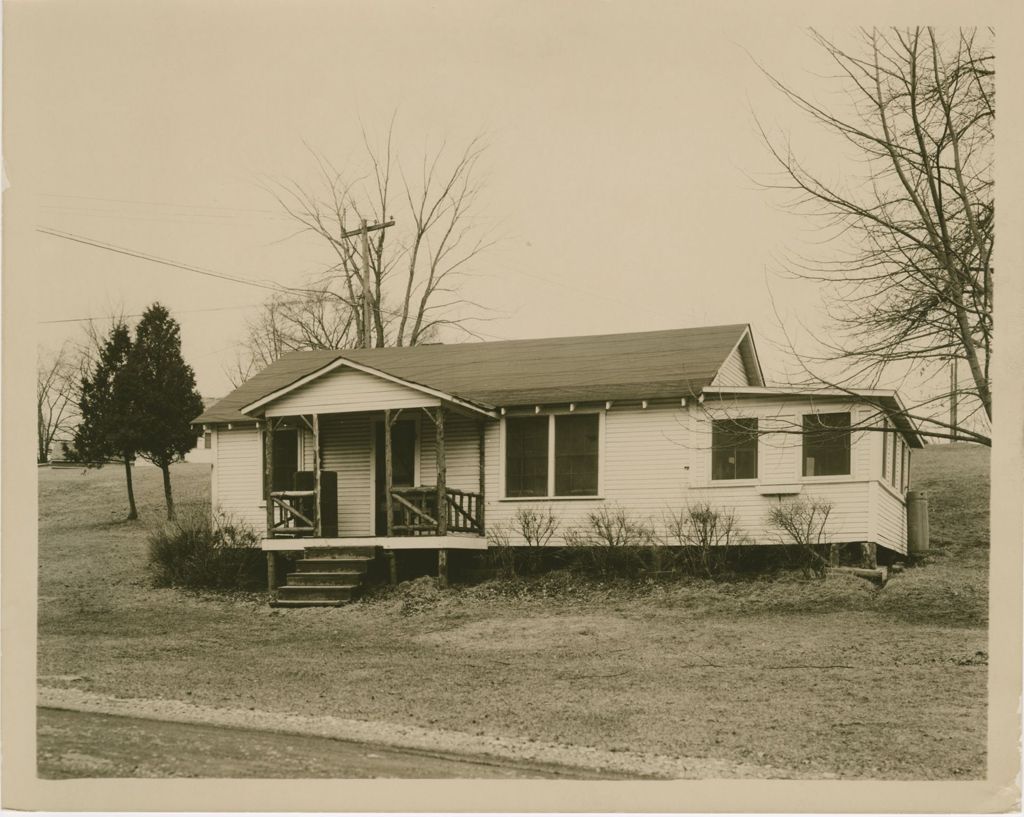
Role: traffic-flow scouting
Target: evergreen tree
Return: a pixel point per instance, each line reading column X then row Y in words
column 163, row 395
column 108, row 429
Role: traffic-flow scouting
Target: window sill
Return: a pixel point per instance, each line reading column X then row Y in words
column 732, row 483
column 551, row 499
column 780, row 489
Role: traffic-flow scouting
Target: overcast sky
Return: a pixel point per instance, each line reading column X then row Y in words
column 620, row 141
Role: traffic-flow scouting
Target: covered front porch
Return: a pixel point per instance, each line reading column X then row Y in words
column 373, row 478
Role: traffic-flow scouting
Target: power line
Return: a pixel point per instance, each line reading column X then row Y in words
column 139, row 314
column 103, row 245
column 274, row 287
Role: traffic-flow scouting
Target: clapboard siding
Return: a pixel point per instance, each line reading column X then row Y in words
column 848, row 519
column 348, row 390
column 732, row 371
column 890, row 515
column 238, row 475
column 461, row 452
column 347, row 443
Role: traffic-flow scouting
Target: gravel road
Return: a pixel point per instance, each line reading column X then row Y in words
column 476, row 752
column 85, row 744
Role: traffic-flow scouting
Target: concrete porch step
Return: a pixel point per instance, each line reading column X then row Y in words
column 356, row 564
column 338, row 578
column 340, row 551
column 316, row 592
column 306, row 603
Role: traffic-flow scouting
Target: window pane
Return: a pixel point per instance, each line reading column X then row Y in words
column 734, row 449
column 576, row 454
column 526, row 456
column 826, row 444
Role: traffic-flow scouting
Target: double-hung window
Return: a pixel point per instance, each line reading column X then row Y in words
column 552, row 455
column 826, row 444
column 526, row 456
column 734, row 449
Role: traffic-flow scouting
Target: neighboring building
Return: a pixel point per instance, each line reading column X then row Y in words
column 203, row 452
column 59, row 448
column 647, row 421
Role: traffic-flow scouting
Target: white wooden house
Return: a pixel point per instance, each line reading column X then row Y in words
column 648, row 422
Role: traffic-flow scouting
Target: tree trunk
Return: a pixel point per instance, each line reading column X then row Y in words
column 166, row 469
column 42, row 444
column 133, row 512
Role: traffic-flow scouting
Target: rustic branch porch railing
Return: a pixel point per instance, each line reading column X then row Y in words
column 415, row 513
column 292, row 513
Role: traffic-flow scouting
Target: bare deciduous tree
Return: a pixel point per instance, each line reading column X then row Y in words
column 414, row 267
column 908, row 278
column 57, row 387
column 317, row 319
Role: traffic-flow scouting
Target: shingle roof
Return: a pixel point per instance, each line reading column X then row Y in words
column 640, row 365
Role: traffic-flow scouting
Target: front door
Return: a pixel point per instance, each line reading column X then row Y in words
column 403, row 466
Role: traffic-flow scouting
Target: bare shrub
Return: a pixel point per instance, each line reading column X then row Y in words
column 200, row 550
column 535, row 528
column 801, row 524
column 708, row 538
column 612, row 543
column 501, row 555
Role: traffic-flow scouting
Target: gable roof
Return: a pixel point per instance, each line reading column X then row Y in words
column 639, row 365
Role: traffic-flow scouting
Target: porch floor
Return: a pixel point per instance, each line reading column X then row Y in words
column 453, row 541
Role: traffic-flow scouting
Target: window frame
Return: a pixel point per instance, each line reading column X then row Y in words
column 545, row 422
column 885, row 446
column 802, row 464
column 894, row 473
column 757, row 451
column 551, row 495
column 906, row 469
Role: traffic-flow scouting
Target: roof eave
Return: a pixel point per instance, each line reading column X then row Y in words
column 340, row 361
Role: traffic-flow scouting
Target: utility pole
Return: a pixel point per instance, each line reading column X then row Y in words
column 364, row 232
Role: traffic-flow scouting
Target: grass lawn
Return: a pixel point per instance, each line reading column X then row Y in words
column 829, row 677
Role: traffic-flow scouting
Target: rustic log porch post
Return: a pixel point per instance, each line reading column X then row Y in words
column 442, row 497
column 268, row 486
column 442, row 475
column 268, row 472
column 481, row 502
column 271, row 571
column 317, row 523
column 388, row 473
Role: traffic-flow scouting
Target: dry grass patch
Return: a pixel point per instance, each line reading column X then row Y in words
column 533, row 633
